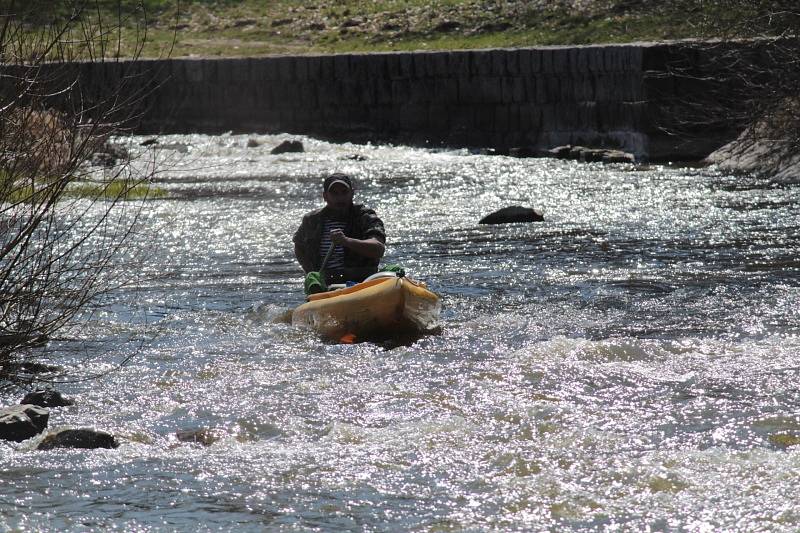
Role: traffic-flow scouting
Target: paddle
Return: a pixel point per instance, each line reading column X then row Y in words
column 325, row 260
column 315, row 281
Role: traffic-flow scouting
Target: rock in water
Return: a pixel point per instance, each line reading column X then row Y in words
column 204, row 436
column 46, row 398
column 78, row 438
column 288, row 146
column 514, row 213
column 21, row 422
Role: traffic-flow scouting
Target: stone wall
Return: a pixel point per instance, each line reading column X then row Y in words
column 600, row 96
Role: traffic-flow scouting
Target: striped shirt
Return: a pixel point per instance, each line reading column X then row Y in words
column 336, row 260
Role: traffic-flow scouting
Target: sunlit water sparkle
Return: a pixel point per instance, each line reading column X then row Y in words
column 629, row 363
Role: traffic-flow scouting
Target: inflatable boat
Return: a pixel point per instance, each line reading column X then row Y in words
column 381, row 307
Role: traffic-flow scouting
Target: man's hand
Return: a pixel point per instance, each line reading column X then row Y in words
column 339, row 238
column 371, row 247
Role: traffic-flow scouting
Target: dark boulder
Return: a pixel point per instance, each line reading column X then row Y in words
column 78, row 438
column 590, row 155
column 560, row 152
column 288, row 146
column 253, row 143
column 46, row 398
column 21, row 422
column 514, row 213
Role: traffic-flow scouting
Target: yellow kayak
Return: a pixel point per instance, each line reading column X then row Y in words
column 385, row 307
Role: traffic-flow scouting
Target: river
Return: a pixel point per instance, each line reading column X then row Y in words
column 630, row 363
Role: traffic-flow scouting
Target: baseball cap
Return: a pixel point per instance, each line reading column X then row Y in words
column 335, row 178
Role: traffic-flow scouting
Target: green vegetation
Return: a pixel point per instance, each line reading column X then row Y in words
column 255, row 27
column 784, row 440
column 118, row 189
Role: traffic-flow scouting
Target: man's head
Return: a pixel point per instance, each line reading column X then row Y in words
column 337, row 190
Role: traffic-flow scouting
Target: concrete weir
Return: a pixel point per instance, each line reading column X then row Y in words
column 613, row 96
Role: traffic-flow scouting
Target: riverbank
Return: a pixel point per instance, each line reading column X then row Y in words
column 197, row 28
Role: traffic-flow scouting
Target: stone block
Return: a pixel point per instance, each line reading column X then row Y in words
column 583, row 87
column 382, row 88
column 491, row 90
column 481, row 62
column 513, row 62
column 459, row 62
column 286, row 67
column 579, row 59
column 440, row 64
column 462, row 117
column 313, row 67
column 264, row 69
column 419, row 66
column 439, row 116
column 484, row 117
column 546, row 65
column 356, row 91
column 358, row 66
column 518, row 90
column 552, row 88
column 614, row 58
column 421, row 90
column 587, row 115
column 596, row 57
column 499, row 60
column 468, row 90
column 237, row 70
column 535, row 89
column 341, row 66
column 501, row 121
column 406, row 65
column 445, row 90
column 327, row 68
column 507, row 90
column 301, row 68
column 306, row 95
column 192, row 70
column 401, row 91
column 376, row 66
column 525, row 61
column 513, row 117
column 413, row 117
column 549, row 117
column 634, row 58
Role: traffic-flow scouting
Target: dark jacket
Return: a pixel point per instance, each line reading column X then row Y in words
column 362, row 223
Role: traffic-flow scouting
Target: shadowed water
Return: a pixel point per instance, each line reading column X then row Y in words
column 629, row 363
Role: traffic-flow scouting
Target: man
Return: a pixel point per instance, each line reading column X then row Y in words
column 355, row 230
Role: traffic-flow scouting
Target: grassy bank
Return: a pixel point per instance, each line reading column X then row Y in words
column 208, row 28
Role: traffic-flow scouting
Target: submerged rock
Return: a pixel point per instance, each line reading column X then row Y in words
column 288, row 146
column 46, row 398
column 21, row 422
column 31, row 367
column 514, row 213
column 204, row 436
column 78, row 438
